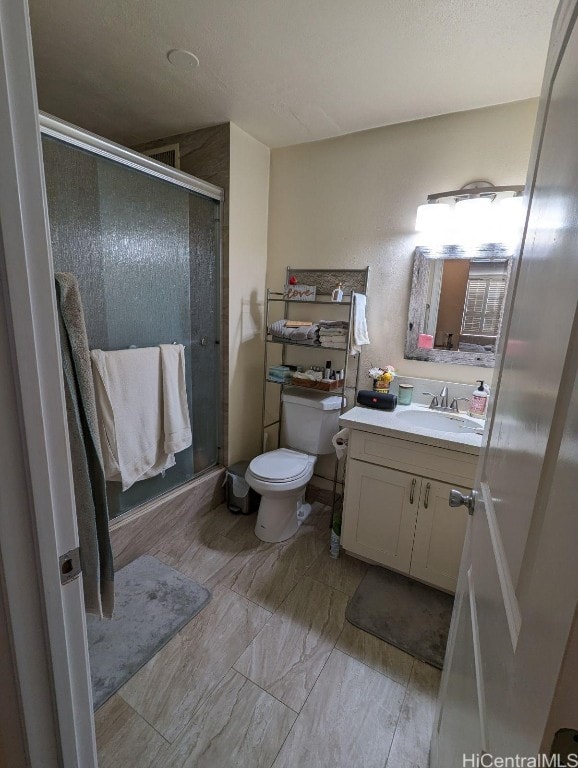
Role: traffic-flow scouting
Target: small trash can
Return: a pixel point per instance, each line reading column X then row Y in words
column 241, row 498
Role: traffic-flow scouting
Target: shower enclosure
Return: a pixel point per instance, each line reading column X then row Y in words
column 143, row 241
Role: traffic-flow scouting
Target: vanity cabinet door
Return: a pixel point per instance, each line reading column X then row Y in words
column 380, row 514
column 439, row 536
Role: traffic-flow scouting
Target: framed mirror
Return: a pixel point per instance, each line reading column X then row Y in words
column 456, row 304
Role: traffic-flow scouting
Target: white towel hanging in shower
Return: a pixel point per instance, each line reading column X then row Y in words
column 129, row 393
column 176, row 422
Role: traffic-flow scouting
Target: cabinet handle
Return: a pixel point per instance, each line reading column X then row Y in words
column 413, row 482
column 426, row 500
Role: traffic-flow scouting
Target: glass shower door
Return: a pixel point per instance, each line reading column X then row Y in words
column 146, row 256
column 205, row 280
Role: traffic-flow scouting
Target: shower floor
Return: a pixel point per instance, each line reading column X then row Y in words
column 269, row 673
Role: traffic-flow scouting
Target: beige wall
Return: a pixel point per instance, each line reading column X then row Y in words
column 248, row 213
column 351, row 201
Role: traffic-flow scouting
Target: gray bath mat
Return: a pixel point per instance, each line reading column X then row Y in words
column 404, row 613
column 152, row 602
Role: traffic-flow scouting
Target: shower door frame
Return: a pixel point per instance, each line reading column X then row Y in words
column 77, row 137
column 72, row 134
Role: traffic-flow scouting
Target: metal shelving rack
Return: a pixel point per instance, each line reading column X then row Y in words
column 325, row 280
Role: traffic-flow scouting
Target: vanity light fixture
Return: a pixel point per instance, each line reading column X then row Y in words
column 481, row 211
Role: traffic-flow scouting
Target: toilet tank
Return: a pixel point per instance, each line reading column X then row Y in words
column 310, row 419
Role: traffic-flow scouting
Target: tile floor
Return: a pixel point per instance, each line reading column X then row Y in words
column 269, row 674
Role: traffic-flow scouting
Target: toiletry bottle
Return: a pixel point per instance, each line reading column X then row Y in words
column 337, row 293
column 327, row 373
column 479, row 401
column 335, row 538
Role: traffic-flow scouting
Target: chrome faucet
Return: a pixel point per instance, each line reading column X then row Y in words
column 454, row 406
column 444, row 398
column 434, row 400
column 440, row 402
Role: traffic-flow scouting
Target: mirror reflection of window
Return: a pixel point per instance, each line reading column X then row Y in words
column 485, row 294
column 470, row 298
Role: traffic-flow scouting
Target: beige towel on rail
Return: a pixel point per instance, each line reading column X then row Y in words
column 176, row 422
column 128, row 386
column 143, row 410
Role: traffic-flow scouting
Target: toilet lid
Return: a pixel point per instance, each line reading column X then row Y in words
column 279, row 466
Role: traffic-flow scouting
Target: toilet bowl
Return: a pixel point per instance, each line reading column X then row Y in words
column 281, row 478
column 309, row 421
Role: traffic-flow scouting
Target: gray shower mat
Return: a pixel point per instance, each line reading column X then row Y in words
column 152, row 602
column 404, row 613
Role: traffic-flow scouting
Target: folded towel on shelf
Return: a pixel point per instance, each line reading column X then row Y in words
column 329, row 332
column 333, row 342
column 305, row 342
column 306, row 333
column 279, row 373
column 176, row 421
column 334, row 324
column 360, row 337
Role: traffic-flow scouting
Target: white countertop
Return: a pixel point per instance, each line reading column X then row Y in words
column 388, row 423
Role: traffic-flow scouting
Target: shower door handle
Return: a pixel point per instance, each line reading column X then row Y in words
column 204, row 341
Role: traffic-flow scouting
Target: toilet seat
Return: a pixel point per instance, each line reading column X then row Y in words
column 280, row 466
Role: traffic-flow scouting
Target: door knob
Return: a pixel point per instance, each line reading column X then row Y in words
column 457, row 499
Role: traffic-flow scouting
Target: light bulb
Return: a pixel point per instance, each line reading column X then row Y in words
column 510, row 213
column 432, row 218
column 472, row 215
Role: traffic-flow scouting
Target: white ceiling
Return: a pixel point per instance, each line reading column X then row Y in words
column 286, row 71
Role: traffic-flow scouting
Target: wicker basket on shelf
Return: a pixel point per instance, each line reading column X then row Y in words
column 322, row 386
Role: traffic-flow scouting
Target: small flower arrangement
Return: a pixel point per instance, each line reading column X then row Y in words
column 382, row 377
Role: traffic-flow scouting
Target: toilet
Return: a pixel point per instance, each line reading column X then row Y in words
column 308, row 423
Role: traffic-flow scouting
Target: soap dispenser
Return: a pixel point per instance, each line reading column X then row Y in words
column 479, row 401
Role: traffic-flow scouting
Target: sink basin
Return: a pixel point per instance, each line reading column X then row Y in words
column 440, row 422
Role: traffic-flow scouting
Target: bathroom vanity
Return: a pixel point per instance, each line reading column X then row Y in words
column 401, row 467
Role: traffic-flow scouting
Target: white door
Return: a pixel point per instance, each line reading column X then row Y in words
column 45, row 621
column 518, row 584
